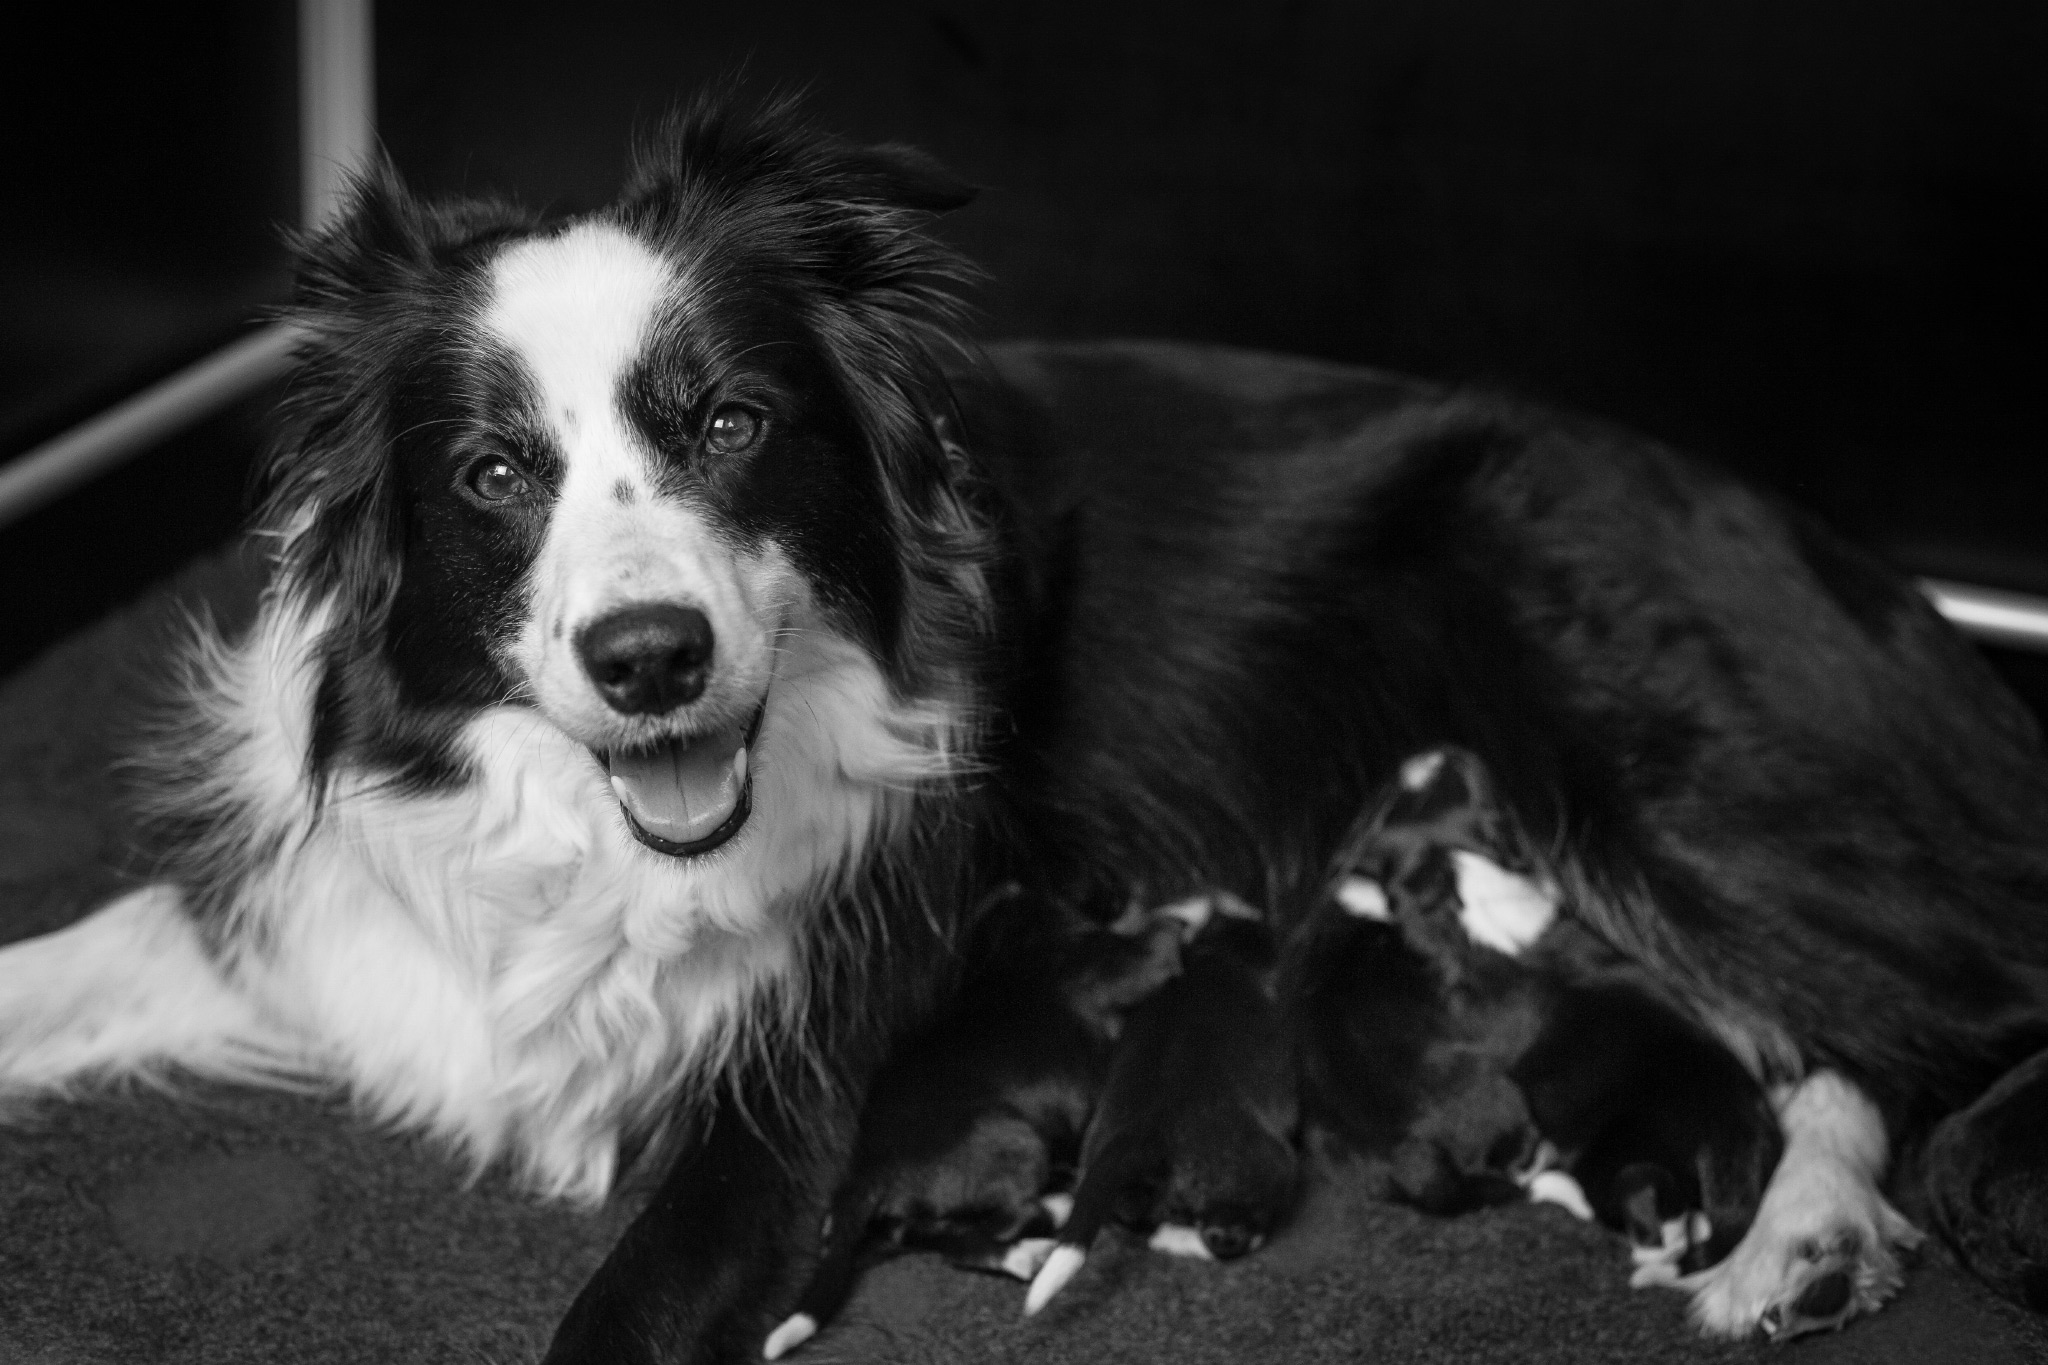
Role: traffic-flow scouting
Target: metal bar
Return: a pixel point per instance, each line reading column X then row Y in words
column 337, row 101
column 48, row 471
column 2015, row 619
column 337, row 104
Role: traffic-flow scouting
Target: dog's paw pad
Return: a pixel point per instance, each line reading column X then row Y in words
column 1789, row 1287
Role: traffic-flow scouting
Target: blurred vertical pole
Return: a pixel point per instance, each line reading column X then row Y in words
column 337, row 101
column 337, row 131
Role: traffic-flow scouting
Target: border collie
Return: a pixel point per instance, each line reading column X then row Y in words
column 673, row 633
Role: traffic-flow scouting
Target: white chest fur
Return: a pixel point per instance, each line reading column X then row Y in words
column 502, row 964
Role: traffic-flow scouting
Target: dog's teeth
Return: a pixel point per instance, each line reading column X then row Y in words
column 1058, row 1207
column 619, row 790
column 739, row 765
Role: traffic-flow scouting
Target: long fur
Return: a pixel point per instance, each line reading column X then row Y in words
column 1127, row 623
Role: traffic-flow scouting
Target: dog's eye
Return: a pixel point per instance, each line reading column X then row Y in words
column 496, row 480
column 731, row 429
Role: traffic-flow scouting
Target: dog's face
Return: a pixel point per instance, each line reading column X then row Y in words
column 606, row 468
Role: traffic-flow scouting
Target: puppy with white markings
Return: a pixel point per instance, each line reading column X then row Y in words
column 1193, row 1139
column 1499, row 1049
column 975, row 1123
column 673, row 630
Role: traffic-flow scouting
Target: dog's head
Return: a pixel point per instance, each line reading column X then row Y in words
column 607, row 467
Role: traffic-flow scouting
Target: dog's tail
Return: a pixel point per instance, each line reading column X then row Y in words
column 127, row 993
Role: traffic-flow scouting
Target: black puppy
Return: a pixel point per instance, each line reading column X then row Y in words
column 978, row 1116
column 1194, row 1136
column 1452, row 1018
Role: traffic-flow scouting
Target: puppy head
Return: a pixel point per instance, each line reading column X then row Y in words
column 609, row 467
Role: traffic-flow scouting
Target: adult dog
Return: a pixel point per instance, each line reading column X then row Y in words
column 674, row 631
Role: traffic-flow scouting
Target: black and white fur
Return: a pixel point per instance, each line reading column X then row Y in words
column 396, row 857
column 1453, row 1015
column 971, row 1132
column 1142, row 621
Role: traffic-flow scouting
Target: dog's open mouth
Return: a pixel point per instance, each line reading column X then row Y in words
column 687, row 796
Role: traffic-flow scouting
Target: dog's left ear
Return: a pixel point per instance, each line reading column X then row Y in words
column 902, row 176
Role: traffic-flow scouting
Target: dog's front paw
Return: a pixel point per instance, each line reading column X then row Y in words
column 1825, row 1246
column 1789, row 1286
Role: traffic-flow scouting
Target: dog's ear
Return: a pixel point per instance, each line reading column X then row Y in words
column 373, row 243
column 387, row 239
column 901, row 176
column 361, row 287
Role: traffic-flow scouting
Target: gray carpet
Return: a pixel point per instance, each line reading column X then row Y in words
column 225, row 1226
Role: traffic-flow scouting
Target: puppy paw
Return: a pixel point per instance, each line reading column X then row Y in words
column 1025, row 1258
column 1658, row 1253
column 1178, row 1239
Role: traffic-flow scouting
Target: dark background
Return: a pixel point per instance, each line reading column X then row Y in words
column 1802, row 239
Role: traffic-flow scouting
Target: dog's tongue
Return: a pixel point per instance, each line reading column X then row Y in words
column 683, row 791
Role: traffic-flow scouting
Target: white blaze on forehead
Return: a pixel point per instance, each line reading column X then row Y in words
column 576, row 309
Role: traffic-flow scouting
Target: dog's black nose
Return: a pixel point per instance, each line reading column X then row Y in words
column 648, row 658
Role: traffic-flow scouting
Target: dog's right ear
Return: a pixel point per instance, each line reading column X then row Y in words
column 374, row 243
column 385, row 238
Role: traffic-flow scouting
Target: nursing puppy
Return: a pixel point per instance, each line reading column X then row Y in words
column 1453, row 1016
column 673, row 633
column 1193, row 1139
column 973, row 1128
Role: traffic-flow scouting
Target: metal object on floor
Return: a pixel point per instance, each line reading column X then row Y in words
column 2015, row 619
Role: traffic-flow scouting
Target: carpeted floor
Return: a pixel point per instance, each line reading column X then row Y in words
column 228, row 1227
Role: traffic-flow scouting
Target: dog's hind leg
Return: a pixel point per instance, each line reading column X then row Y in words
column 127, row 992
column 1825, row 1245
column 1986, row 1174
